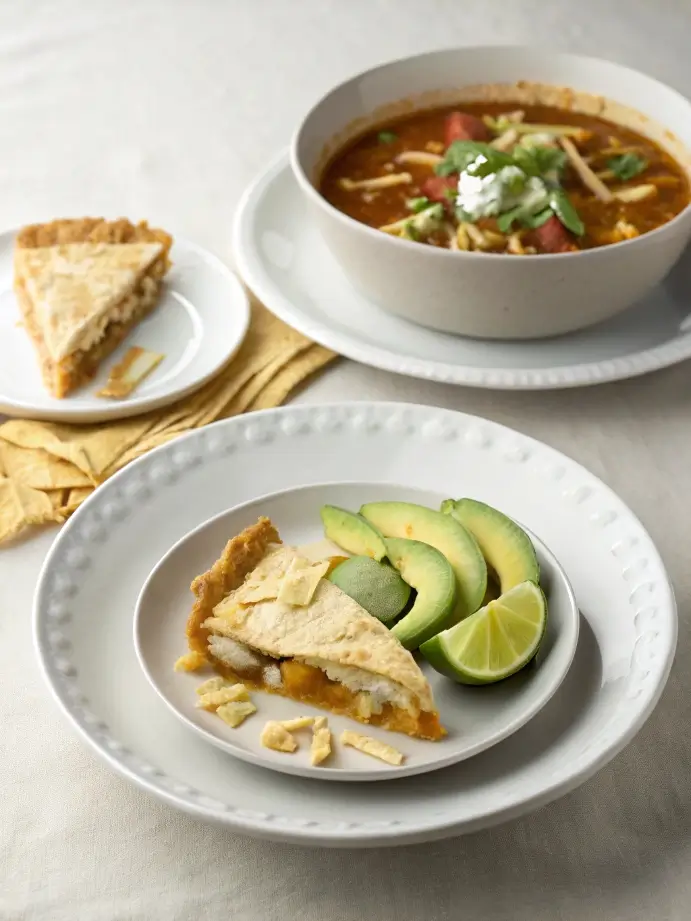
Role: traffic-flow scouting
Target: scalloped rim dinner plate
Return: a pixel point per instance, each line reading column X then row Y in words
column 475, row 718
column 88, row 588
column 282, row 257
column 198, row 325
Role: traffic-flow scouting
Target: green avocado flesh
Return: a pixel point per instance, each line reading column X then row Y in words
column 430, row 574
column 352, row 532
column 507, row 549
column 375, row 586
column 443, row 532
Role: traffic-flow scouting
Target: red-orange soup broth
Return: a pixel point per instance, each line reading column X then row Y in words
column 621, row 160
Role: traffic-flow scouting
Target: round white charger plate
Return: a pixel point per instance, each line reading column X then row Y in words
column 88, row 588
column 475, row 718
column 199, row 323
column 282, row 257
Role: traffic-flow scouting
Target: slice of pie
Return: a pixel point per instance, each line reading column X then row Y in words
column 82, row 285
column 266, row 616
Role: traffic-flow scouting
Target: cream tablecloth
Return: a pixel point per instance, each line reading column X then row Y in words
column 166, row 108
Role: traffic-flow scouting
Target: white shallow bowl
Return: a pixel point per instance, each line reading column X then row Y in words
column 104, row 553
column 479, row 294
column 475, row 718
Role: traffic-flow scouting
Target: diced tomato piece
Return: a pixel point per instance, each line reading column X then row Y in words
column 462, row 127
column 553, row 237
column 436, row 188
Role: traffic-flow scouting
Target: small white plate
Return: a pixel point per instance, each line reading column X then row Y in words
column 282, row 257
column 93, row 574
column 198, row 325
column 475, row 718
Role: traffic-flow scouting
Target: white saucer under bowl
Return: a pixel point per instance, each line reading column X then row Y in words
column 88, row 588
column 198, row 325
column 282, row 257
column 475, row 718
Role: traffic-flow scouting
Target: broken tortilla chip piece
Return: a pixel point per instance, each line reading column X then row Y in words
column 296, row 372
column 21, row 506
column 39, row 469
column 127, row 374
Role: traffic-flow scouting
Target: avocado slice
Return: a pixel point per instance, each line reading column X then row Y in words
column 445, row 534
column 352, row 532
column 507, row 549
column 431, row 575
column 375, row 586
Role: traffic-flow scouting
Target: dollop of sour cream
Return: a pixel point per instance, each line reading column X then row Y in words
column 509, row 187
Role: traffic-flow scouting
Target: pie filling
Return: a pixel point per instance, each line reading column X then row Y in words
column 141, row 298
column 350, row 691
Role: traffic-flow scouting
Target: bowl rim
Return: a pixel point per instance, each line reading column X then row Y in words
column 435, row 252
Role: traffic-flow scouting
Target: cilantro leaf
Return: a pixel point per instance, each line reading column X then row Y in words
column 506, row 220
column 565, row 211
column 463, row 216
column 411, row 232
column 626, row 166
column 387, row 137
column 533, row 221
column 418, row 204
column 539, row 160
column 460, row 155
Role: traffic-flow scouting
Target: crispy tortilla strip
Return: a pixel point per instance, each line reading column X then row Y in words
column 127, row 374
column 21, row 506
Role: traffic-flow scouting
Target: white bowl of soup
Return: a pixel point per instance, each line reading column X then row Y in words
column 500, row 192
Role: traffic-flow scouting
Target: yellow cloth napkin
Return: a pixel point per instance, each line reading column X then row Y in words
column 47, row 469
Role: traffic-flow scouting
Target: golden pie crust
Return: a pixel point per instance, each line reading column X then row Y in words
column 300, row 681
column 64, row 376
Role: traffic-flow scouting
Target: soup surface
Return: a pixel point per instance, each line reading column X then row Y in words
column 506, row 178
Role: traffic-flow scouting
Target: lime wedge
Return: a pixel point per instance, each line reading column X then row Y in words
column 494, row 642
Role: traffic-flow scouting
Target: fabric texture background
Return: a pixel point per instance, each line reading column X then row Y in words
column 165, row 109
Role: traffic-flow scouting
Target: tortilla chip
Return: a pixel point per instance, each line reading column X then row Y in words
column 285, row 382
column 38, row 469
column 74, row 499
column 21, row 506
column 44, row 435
column 57, row 497
column 244, row 397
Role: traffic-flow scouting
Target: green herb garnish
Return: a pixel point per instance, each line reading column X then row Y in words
column 539, row 160
column 387, row 137
column 462, row 216
column 626, row 166
column 418, row 204
column 410, row 232
column 461, row 154
column 565, row 211
column 506, row 220
column 533, row 221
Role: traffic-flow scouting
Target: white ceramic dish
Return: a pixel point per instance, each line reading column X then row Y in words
column 283, row 258
column 476, row 294
column 475, row 718
column 104, row 553
column 198, row 325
